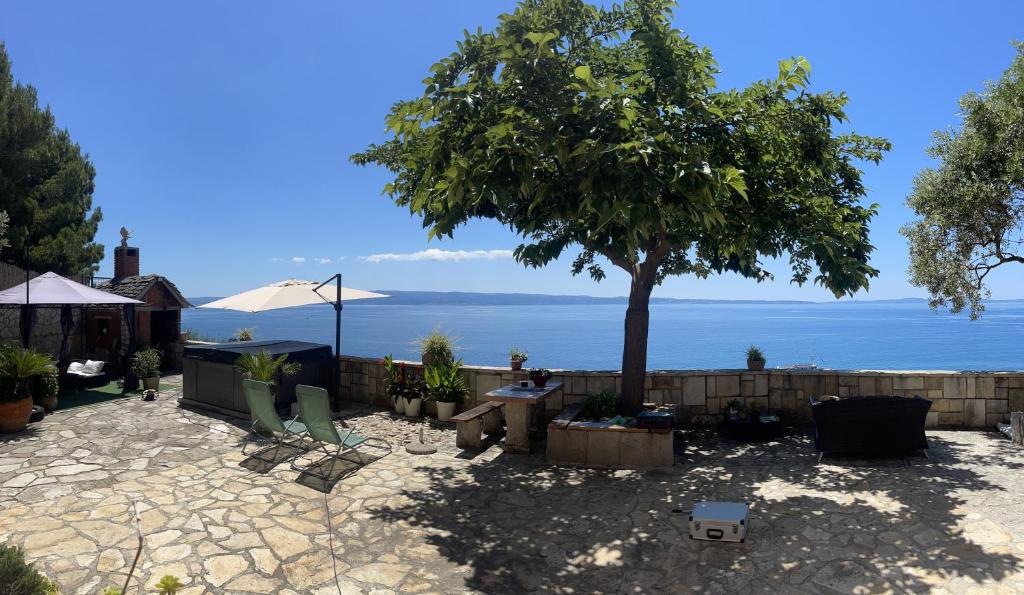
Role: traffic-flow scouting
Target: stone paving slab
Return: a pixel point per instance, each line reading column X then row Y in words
column 497, row 523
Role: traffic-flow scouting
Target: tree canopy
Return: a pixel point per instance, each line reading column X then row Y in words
column 971, row 207
column 46, row 185
column 603, row 129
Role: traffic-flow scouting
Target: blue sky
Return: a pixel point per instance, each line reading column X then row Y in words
column 221, row 130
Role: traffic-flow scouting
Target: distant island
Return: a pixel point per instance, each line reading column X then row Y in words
column 467, row 298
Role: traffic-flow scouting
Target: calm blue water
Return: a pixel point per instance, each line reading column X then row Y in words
column 837, row 335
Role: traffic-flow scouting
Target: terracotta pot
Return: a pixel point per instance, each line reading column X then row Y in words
column 445, row 411
column 14, row 416
column 516, row 365
column 755, row 365
column 151, row 383
column 412, row 408
column 539, row 381
column 50, row 404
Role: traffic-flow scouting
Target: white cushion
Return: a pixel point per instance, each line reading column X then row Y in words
column 92, row 367
column 75, row 367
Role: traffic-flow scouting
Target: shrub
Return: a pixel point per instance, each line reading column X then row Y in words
column 599, row 406
column 45, row 386
column 146, row 363
column 18, row 577
column 244, row 334
column 437, row 348
column 445, row 383
column 264, row 367
column 755, row 354
column 17, row 366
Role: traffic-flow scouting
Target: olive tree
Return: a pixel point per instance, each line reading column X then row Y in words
column 971, row 207
column 602, row 129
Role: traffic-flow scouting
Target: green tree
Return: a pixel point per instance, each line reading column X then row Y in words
column 602, row 128
column 46, row 185
column 971, row 207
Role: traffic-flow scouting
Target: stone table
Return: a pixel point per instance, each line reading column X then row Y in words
column 519, row 409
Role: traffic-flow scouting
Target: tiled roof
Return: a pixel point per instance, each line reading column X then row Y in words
column 136, row 286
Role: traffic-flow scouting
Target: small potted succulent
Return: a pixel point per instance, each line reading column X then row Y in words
column 734, row 410
column 146, row 366
column 540, row 376
column 755, row 359
column 516, row 358
column 447, row 387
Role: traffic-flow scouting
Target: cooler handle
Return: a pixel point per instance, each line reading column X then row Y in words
column 715, row 533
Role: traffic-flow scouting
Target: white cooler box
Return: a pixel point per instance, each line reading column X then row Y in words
column 720, row 521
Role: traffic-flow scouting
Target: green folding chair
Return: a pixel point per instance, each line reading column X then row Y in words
column 315, row 412
column 264, row 417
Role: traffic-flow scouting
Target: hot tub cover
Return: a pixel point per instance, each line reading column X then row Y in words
column 227, row 353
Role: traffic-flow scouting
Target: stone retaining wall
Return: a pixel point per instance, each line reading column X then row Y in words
column 959, row 399
column 46, row 333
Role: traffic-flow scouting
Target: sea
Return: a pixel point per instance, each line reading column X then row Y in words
column 840, row 335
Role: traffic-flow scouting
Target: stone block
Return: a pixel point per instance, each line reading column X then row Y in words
column 747, row 388
column 996, row 406
column 658, row 396
column 566, row 446
column 975, row 413
column 644, row 449
column 694, row 390
column 940, row 405
column 775, row 400
column 761, row 385
column 932, row 419
column 972, row 387
column 1015, row 399
column 713, row 405
column 883, row 384
column 486, row 383
column 603, row 448
column 597, row 384
column 831, row 386
column 955, row 405
column 727, row 386
column 710, row 386
column 1015, row 382
column 991, row 419
column 933, row 382
column 951, row 419
column 986, row 387
column 866, row 385
column 954, row 387
column 908, row 383
column 934, row 394
column 662, row 381
column 775, row 380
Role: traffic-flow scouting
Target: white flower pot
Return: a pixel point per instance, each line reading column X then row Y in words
column 400, row 405
column 412, row 408
column 445, row 411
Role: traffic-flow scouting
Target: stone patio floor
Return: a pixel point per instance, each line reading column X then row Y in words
column 450, row 522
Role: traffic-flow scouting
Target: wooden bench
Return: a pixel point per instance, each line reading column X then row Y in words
column 470, row 425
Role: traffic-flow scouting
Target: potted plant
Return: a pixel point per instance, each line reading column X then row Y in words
column 754, row 412
column 755, row 359
column 447, row 387
column 146, row 366
column 516, row 358
column 734, row 409
column 437, row 348
column 395, row 382
column 265, row 367
column 44, row 390
column 540, row 376
column 17, row 366
column 412, row 394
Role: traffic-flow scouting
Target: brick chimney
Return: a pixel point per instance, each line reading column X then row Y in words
column 126, row 262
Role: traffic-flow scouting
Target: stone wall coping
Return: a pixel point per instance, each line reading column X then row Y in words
column 720, row 371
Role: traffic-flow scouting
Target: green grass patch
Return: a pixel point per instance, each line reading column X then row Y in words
column 91, row 396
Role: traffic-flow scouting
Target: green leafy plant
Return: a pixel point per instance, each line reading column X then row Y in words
column 265, row 367
column 146, row 363
column 599, row 406
column 169, row 585
column 17, row 366
column 18, row 577
column 540, row 373
column 518, row 355
column 45, row 386
column 446, row 383
column 437, row 348
column 244, row 334
column 735, row 405
column 755, row 354
column 603, row 128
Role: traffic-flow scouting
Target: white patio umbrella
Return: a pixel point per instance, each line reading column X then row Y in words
column 294, row 292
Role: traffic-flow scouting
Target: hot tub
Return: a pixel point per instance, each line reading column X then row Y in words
column 211, row 380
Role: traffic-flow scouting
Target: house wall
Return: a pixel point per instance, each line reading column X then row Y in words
column 959, row 399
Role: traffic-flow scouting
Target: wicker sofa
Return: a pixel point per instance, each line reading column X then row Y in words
column 869, row 425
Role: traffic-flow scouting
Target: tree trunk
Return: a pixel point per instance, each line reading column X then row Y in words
column 634, row 345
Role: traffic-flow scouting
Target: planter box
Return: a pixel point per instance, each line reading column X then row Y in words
column 601, row 444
